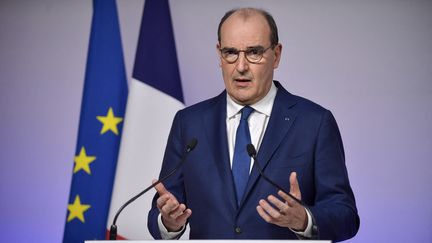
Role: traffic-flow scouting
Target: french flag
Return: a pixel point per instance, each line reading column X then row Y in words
column 155, row 95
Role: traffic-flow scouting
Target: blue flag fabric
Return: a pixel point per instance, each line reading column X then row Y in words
column 156, row 56
column 102, row 111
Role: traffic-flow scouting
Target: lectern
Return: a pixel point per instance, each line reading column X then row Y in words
column 207, row 241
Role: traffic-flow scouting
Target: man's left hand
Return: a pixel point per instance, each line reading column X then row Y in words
column 285, row 214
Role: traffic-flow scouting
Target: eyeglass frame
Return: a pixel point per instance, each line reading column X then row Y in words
column 245, row 53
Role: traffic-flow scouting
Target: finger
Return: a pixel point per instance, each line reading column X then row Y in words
column 278, row 203
column 160, row 188
column 183, row 217
column 169, row 206
column 263, row 214
column 288, row 199
column 176, row 212
column 160, row 202
column 294, row 186
column 272, row 212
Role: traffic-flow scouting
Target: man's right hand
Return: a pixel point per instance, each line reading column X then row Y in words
column 174, row 214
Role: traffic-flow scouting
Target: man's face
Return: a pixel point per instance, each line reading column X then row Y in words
column 247, row 82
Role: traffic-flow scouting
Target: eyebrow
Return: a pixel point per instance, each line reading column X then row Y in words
column 247, row 48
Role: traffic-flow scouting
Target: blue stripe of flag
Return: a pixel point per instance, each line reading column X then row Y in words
column 105, row 86
column 156, row 57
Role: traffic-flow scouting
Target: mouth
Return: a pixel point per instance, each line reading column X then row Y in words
column 242, row 83
column 242, row 80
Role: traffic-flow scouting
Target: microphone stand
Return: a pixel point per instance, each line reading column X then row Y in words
column 113, row 229
column 252, row 153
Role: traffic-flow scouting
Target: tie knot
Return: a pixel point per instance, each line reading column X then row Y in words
column 246, row 111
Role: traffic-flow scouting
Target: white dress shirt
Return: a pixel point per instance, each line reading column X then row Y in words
column 257, row 122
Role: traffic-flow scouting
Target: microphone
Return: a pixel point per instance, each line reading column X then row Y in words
column 252, row 153
column 189, row 147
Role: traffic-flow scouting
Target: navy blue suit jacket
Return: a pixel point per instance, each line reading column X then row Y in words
column 301, row 136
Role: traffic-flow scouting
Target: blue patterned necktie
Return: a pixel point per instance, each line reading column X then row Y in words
column 241, row 159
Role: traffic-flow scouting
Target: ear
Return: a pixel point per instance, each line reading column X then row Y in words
column 219, row 54
column 277, row 55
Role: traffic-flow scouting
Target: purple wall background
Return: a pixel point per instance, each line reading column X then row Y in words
column 370, row 62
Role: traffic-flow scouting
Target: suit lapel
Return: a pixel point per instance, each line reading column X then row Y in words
column 214, row 118
column 281, row 120
column 215, row 127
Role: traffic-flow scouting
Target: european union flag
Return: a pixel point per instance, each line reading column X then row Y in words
column 102, row 113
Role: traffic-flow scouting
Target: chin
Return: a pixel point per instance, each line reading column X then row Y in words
column 242, row 96
column 243, row 100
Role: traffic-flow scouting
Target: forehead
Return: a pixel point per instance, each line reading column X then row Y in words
column 243, row 31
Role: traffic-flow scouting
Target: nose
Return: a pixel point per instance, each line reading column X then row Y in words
column 242, row 64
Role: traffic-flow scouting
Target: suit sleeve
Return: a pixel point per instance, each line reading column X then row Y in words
column 173, row 153
column 334, row 210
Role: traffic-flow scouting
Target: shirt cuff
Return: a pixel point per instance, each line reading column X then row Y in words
column 308, row 231
column 165, row 234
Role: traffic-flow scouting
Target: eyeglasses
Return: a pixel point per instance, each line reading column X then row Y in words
column 252, row 54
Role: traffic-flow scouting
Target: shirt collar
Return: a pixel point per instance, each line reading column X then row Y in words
column 263, row 106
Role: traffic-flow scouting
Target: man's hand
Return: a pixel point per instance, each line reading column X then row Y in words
column 174, row 214
column 285, row 214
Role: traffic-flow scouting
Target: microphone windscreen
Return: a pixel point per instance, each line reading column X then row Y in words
column 192, row 144
column 251, row 150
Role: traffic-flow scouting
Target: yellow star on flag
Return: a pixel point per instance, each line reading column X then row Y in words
column 82, row 161
column 76, row 210
column 109, row 122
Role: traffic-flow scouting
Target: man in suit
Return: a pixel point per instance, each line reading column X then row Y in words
column 218, row 191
